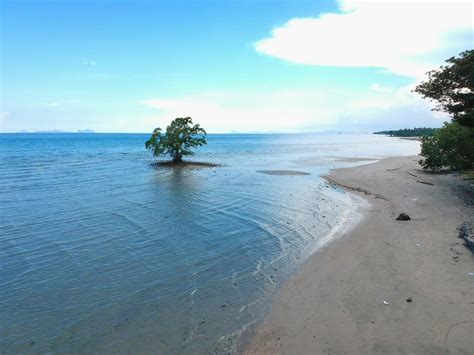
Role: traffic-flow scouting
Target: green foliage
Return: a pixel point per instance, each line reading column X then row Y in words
column 452, row 88
column 180, row 138
column 452, row 147
column 410, row 132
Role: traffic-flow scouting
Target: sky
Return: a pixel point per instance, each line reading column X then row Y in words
column 232, row 65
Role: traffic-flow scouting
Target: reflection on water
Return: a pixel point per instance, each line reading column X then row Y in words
column 101, row 252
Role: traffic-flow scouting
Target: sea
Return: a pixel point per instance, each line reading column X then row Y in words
column 103, row 252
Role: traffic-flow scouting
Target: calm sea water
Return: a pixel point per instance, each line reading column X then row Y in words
column 100, row 252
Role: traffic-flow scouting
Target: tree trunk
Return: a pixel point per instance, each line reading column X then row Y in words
column 178, row 158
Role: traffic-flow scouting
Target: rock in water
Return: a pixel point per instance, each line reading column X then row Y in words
column 403, row 217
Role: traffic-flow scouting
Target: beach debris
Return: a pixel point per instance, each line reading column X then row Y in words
column 403, row 217
column 409, row 299
column 470, row 273
column 418, row 244
column 386, row 303
column 465, row 232
column 425, row 182
column 414, row 199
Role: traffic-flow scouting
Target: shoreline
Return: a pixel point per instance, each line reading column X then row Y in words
column 384, row 285
column 352, row 217
column 349, row 220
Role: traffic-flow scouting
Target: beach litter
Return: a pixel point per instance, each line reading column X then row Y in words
column 386, row 302
column 409, row 299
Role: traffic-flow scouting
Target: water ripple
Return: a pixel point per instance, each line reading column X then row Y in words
column 106, row 254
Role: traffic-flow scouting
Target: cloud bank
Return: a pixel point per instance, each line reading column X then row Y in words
column 402, row 36
column 297, row 110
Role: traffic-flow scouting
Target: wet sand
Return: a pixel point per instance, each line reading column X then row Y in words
column 283, row 172
column 387, row 286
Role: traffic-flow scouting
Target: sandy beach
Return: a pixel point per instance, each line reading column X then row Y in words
column 386, row 286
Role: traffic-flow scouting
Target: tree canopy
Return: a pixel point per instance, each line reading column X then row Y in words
column 179, row 140
column 452, row 88
column 452, row 146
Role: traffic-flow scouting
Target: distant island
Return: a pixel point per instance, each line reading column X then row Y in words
column 410, row 132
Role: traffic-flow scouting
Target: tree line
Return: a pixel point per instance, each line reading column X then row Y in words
column 410, row 132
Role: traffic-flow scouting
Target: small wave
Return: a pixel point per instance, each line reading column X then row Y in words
column 349, row 219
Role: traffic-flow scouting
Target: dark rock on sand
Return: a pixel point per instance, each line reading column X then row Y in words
column 403, row 217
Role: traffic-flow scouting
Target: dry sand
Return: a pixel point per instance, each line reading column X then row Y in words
column 335, row 303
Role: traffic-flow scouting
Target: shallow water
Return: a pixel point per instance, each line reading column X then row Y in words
column 101, row 252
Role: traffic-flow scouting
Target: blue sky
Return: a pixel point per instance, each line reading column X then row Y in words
column 233, row 65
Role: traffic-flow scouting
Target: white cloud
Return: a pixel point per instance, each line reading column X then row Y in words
column 380, row 88
column 404, row 37
column 385, row 99
column 272, row 111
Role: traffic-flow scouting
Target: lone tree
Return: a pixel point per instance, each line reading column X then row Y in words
column 180, row 138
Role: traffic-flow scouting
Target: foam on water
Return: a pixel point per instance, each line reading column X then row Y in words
column 99, row 251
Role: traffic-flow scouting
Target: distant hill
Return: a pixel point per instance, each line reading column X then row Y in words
column 410, row 132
